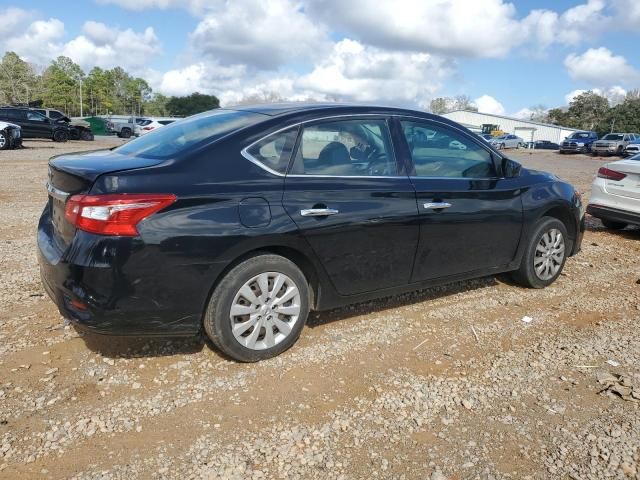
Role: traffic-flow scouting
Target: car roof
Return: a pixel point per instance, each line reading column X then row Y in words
column 277, row 109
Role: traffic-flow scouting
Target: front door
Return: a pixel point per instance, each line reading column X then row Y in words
column 470, row 217
column 36, row 125
column 353, row 204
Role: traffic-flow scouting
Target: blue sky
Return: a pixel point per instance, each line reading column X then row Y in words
column 507, row 56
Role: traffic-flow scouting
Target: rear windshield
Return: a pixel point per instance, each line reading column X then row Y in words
column 613, row 136
column 183, row 134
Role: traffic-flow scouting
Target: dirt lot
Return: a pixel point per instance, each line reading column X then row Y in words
column 399, row 388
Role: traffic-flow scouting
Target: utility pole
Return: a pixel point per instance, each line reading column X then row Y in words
column 81, row 97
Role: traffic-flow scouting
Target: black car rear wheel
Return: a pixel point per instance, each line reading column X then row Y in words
column 60, row 136
column 258, row 309
column 545, row 254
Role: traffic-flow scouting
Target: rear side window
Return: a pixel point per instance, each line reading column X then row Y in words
column 442, row 152
column 274, row 151
column 12, row 114
column 351, row 148
column 189, row 132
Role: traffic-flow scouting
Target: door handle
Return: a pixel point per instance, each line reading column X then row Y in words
column 318, row 212
column 436, row 205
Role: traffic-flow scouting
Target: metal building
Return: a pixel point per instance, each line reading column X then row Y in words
column 526, row 129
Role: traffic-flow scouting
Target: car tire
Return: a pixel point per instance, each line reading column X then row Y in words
column 252, row 343
column 86, row 135
column 610, row 224
column 543, row 252
column 619, row 152
column 125, row 133
column 60, row 136
column 4, row 141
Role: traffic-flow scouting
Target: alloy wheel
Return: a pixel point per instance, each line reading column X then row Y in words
column 549, row 254
column 264, row 310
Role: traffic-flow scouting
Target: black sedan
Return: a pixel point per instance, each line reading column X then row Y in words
column 239, row 221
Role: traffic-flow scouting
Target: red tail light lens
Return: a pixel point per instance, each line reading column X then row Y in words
column 148, row 128
column 116, row 214
column 604, row 172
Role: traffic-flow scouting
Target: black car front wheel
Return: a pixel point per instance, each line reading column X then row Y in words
column 4, row 140
column 258, row 309
column 545, row 254
column 60, row 136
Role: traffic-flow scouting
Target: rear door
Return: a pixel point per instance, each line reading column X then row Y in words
column 470, row 217
column 353, row 204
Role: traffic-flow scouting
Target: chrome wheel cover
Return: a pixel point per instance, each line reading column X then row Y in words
column 265, row 310
column 3, row 140
column 549, row 254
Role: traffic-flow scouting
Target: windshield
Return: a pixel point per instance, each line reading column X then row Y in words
column 579, row 135
column 186, row 133
column 613, row 136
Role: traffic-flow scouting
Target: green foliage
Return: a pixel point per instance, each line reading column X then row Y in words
column 587, row 111
column 442, row 105
column 18, row 81
column 192, row 104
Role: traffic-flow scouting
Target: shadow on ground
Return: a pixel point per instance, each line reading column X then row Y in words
column 140, row 347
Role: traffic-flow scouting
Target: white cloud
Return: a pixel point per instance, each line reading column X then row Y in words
column 40, row 42
column 195, row 6
column 488, row 104
column 475, row 28
column 106, row 47
column 600, row 67
column 12, row 21
column 351, row 72
column 262, row 33
column 615, row 94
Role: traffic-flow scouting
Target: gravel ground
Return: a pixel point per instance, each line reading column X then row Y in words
column 445, row 383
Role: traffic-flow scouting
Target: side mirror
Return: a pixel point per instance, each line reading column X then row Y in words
column 510, row 169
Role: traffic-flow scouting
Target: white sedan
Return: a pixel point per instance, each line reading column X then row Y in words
column 149, row 124
column 506, row 141
column 615, row 194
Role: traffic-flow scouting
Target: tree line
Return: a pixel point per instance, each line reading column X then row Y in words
column 587, row 111
column 63, row 83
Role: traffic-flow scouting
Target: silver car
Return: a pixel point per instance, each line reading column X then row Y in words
column 506, row 141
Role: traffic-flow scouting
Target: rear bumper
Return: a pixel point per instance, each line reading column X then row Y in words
column 117, row 286
column 613, row 214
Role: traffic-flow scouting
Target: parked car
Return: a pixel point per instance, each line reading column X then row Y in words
column 615, row 194
column 240, row 221
column 152, row 123
column 612, row 144
column 545, row 145
column 633, row 148
column 10, row 135
column 125, row 128
column 35, row 124
column 578, row 142
column 506, row 141
column 78, row 129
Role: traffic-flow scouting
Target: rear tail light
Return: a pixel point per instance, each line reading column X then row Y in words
column 114, row 214
column 148, row 128
column 604, row 172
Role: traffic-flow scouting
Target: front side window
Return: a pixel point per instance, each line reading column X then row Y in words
column 274, row 152
column 55, row 115
column 349, row 148
column 442, row 152
column 35, row 116
column 189, row 132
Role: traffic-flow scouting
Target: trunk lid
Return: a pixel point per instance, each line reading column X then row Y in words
column 75, row 174
column 629, row 186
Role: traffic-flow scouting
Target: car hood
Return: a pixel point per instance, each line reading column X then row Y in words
column 7, row 124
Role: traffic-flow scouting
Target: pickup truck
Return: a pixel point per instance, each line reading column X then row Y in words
column 612, row 144
column 578, row 142
column 125, row 128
